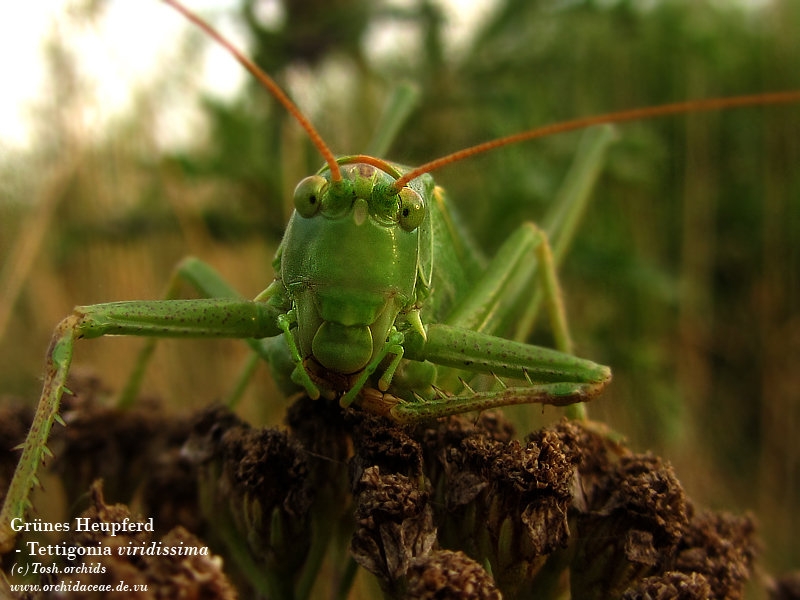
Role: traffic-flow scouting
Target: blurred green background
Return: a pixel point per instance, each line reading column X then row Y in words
column 684, row 277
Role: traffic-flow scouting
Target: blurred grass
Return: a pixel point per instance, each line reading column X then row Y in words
column 684, row 279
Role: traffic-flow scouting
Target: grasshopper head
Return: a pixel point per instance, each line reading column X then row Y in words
column 350, row 263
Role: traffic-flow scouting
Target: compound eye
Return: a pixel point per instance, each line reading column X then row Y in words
column 412, row 209
column 308, row 195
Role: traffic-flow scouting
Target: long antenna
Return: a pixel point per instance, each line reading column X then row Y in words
column 664, row 110
column 268, row 83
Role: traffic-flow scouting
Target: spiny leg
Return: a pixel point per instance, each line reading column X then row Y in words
column 59, row 357
column 222, row 318
column 551, row 377
column 554, row 394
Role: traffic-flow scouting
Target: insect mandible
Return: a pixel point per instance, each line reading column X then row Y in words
column 370, row 337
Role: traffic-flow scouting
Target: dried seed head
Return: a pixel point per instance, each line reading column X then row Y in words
column 636, row 518
column 265, row 480
column 192, row 576
column 670, row 586
column 447, row 575
column 268, row 466
column 209, row 428
column 257, row 481
column 508, row 503
column 722, row 547
column 394, row 525
column 646, row 491
column 100, row 512
column 592, row 451
column 518, row 482
column 439, row 437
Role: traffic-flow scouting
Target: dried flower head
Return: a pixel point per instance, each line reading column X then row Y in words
column 394, row 525
column 722, row 547
column 254, row 489
column 634, row 522
column 670, row 586
column 446, row 575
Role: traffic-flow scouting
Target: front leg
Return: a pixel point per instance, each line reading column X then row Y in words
column 221, row 318
column 550, row 376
